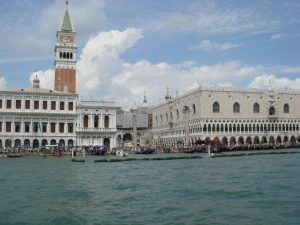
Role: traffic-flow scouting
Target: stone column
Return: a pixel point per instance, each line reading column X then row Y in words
column 134, row 112
column 48, row 127
column 90, row 116
column 101, row 121
column 186, row 112
column 66, row 127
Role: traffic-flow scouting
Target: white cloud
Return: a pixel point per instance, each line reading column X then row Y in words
column 276, row 82
column 207, row 45
column 276, row 37
column 208, row 18
column 103, row 73
column 100, row 60
column 46, row 78
column 89, row 16
column 3, row 83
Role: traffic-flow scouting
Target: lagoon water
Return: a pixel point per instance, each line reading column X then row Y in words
column 263, row 189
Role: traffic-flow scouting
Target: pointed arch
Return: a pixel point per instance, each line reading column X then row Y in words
column 271, row 140
column 272, row 111
column 248, row 140
column 256, row 108
column 286, row 108
column 236, row 108
column 216, row 107
column 241, row 140
column 232, row 141
column 256, row 140
column 224, row 141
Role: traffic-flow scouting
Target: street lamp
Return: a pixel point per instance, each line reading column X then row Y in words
column 186, row 111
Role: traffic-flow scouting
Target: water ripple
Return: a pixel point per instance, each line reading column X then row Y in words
column 240, row 190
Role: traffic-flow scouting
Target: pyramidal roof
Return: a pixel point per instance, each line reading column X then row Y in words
column 66, row 24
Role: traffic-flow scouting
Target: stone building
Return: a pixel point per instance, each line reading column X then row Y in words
column 125, row 125
column 96, row 123
column 37, row 116
column 229, row 116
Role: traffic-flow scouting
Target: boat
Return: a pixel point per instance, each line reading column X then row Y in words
column 121, row 153
column 145, row 151
column 15, row 155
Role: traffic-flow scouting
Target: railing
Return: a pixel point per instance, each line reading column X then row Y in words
column 96, row 103
column 93, row 129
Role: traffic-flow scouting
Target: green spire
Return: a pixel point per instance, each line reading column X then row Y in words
column 66, row 23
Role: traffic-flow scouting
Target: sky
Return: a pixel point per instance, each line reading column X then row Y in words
column 128, row 47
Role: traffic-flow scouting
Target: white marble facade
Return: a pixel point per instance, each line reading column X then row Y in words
column 96, row 123
column 232, row 116
column 36, row 116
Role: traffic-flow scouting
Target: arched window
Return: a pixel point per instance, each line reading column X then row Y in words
column 236, row 107
column 71, row 55
column 216, row 107
column 161, row 118
column 156, row 120
column 271, row 111
column 256, row 108
column 64, row 55
column 286, row 108
column 177, row 111
column 194, row 109
column 60, row 55
column 167, row 117
column 68, row 55
column 106, row 121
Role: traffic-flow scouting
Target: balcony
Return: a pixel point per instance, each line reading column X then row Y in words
column 96, row 130
column 273, row 116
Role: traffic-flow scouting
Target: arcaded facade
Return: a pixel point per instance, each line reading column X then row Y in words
column 229, row 116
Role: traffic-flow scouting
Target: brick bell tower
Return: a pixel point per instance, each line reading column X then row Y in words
column 65, row 56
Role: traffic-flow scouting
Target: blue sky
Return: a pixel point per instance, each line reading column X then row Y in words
column 128, row 46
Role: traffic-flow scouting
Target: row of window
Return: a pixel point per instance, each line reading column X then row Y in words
column 36, row 104
column 66, row 55
column 256, row 108
column 96, row 121
column 216, row 109
column 36, row 127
